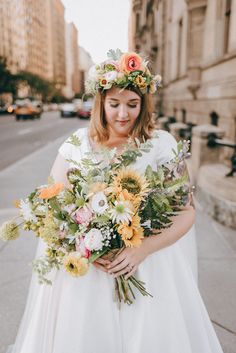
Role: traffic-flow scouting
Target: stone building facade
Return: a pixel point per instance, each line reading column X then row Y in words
column 192, row 44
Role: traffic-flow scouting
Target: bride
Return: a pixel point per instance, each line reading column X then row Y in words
column 79, row 315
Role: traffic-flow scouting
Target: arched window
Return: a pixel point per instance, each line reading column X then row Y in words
column 184, row 116
column 214, row 118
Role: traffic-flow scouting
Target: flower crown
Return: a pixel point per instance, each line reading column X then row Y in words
column 122, row 70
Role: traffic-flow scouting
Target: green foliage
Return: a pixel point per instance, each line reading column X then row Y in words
column 74, row 140
column 8, row 81
column 114, row 54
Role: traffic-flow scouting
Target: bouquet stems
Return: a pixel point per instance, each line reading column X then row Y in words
column 123, row 287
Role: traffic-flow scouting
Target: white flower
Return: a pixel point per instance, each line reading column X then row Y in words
column 93, row 73
column 26, row 211
column 122, row 212
column 99, row 203
column 110, row 76
column 93, row 240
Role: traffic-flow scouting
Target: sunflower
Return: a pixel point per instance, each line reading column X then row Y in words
column 76, row 265
column 128, row 179
column 135, row 200
column 132, row 233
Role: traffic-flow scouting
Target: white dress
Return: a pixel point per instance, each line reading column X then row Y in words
column 78, row 315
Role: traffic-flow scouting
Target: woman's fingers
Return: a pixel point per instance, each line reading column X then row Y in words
column 122, row 272
column 102, row 261
column 118, row 267
column 131, row 272
column 116, row 262
column 100, row 267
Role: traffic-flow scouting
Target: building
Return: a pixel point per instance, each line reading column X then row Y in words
column 72, row 71
column 32, row 37
column 85, row 62
column 192, row 44
column 57, row 42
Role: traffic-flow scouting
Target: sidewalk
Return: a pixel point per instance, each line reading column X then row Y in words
column 216, row 253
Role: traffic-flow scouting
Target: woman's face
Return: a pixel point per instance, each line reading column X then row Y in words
column 121, row 111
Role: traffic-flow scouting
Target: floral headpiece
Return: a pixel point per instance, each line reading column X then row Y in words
column 122, row 70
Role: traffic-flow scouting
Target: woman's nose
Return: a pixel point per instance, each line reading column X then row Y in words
column 122, row 112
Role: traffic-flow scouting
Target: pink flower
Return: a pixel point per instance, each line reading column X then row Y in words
column 113, row 63
column 130, row 62
column 81, row 248
column 83, row 215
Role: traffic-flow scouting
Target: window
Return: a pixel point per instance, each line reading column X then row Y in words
column 180, row 35
column 137, row 23
column 227, row 16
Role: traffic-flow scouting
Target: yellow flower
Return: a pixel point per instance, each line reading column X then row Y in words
column 51, row 191
column 103, row 82
column 152, row 87
column 128, row 179
column 9, row 231
column 132, row 233
column 16, row 203
column 49, row 231
column 97, row 187
column 76, row 265
column 140, row 81
column 135, row 200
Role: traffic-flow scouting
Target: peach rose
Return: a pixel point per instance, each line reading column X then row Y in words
column 130, row 62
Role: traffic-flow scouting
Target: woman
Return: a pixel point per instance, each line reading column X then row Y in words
column 80, row 315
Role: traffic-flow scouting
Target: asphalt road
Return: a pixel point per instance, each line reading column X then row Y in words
column 20, row 138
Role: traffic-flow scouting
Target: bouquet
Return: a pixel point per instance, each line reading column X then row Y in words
column 108, row 206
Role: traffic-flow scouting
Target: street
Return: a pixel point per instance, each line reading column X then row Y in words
column 30, row 135
column 28, row 149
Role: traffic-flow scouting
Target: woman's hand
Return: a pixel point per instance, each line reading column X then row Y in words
column 101, row 264
column 128, row 261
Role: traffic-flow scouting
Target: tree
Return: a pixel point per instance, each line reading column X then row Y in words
column 8, row 81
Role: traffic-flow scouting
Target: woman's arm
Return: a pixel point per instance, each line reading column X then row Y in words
column 134, row 256
column 59, row 170
column 181, row 225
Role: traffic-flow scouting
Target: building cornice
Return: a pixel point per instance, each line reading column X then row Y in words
column 194, row 4
column 219, row 61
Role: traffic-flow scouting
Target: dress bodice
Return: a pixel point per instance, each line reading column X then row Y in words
column 163, row 144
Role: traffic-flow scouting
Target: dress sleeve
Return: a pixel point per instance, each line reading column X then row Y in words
column 164, row 146
column 65, row 150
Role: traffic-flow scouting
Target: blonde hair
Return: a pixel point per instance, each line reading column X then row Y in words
column 143, row 127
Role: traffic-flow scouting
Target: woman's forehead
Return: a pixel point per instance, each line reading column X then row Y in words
column 117, row 94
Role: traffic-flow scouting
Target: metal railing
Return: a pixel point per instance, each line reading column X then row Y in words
column 214, row 141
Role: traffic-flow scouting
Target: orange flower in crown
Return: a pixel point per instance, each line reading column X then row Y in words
column 122, row 70
column 130, row 62
column 51, row 191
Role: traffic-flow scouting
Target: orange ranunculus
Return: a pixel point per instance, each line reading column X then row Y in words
column 130, row 62
column 51, row 191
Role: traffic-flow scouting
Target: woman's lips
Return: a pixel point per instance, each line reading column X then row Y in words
column 122, row 122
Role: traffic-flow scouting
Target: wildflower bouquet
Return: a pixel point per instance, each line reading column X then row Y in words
column 108, row 206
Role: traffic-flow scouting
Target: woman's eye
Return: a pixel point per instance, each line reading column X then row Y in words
column 114, row 105
column 132, row 106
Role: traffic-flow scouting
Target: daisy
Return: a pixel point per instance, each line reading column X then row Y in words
column 99, row 203
column 122, row 212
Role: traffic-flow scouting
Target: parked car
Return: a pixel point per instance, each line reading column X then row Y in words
column 85, row 111
column 68, row 110
column 25, row 109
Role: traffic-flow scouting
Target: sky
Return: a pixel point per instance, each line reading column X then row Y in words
column 101, row 24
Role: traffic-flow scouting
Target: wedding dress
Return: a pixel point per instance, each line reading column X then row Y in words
column 79, row 315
